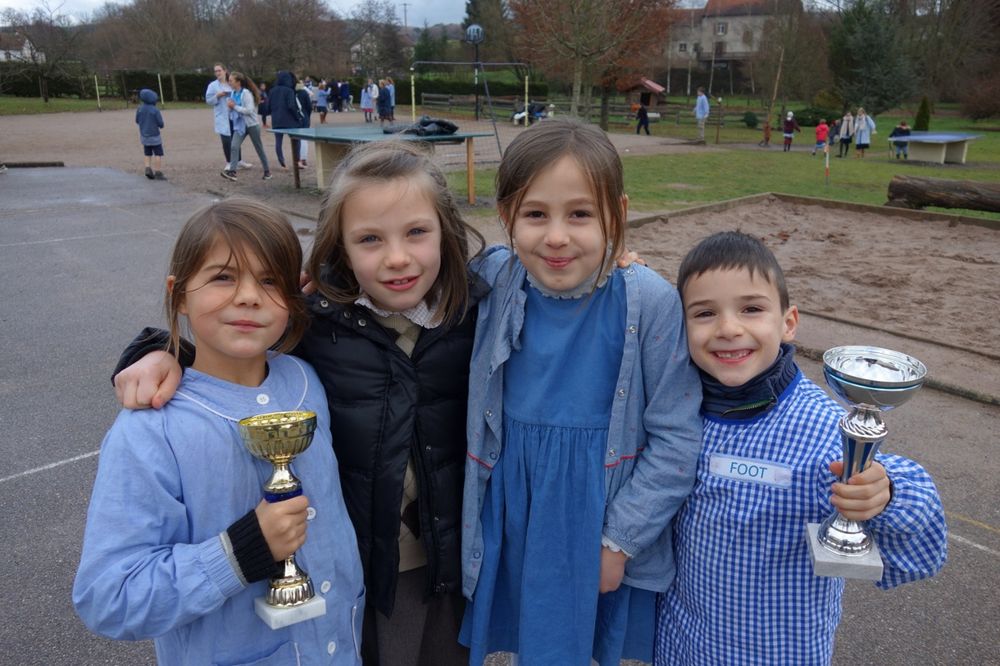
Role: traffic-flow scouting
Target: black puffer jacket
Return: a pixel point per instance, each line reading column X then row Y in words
column 385, row 407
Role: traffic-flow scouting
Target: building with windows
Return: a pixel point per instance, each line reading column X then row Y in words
column 719, row 35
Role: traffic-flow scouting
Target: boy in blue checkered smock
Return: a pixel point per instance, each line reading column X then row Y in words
column 745, row 592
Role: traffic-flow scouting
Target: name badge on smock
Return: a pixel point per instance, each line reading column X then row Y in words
column 754, row 471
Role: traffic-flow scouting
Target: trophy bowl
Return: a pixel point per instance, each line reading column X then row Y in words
column 278, row 437
column 880, row 378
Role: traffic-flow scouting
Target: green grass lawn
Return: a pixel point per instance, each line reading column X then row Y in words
column 671, row 182
column 12, row 106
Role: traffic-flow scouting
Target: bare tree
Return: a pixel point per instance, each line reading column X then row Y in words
column 585, row 34
column 51, row 43
column 948, row 41
column 162, row 33
column 262, row 36
column 375, row 30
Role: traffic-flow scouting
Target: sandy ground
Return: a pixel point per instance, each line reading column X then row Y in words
column 922, row 278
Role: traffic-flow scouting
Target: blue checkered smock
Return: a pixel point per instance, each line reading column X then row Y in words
column 745, row 592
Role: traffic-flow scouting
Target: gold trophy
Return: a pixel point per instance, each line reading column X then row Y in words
column 277, row 438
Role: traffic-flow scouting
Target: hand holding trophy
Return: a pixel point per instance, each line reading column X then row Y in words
column 870, row 380
column 277, row 438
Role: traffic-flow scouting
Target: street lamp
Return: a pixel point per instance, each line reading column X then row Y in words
column 475, row 35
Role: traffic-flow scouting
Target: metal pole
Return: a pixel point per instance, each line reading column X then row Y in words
column 413, row 97
column 97, row 89
column 163, row 100
column 476, row 80
column 525, row 100
column 718, row 125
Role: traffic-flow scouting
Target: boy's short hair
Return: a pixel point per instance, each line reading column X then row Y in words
column 729, row 250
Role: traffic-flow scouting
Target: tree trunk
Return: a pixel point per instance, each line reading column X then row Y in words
column 605, row 104
column 574, row 105
column 173, row 86
column 917, row 192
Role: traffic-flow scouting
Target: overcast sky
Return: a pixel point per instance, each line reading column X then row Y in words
column 417, row 11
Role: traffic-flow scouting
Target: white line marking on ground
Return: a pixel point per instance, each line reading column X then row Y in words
column 75, row 238
column 49, row 466
column 969, row 542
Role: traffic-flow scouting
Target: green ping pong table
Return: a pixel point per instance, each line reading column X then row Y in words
column 334, row 142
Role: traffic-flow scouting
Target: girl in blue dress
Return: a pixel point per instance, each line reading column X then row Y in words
column 583, row 417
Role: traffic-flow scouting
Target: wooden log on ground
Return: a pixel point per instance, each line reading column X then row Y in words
column 916, row 192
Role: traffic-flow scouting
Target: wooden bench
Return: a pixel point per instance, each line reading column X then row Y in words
column 436, row 100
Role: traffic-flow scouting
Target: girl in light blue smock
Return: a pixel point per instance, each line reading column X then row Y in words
column 179, row 543
column 583, row 417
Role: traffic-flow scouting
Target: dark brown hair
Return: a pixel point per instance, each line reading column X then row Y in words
column 382, row 162
column 733, row 250
column 247, row 227
column 247, row 83
column 544, row 144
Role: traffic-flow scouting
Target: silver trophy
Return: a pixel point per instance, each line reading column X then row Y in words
column 869, row 380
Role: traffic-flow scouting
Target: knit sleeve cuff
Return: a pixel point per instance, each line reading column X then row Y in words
column 249, row 548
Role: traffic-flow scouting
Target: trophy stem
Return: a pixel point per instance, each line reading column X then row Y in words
column 292, row 587
column 283, row 484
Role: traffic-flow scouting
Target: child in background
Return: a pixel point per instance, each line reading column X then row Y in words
column 642, row 118
column 822, row 132
column 864, row 127
column 391, row 337
column 179, row 543
column 150, row 122
column 745, row 592
column 788, row 128
column 263, row 108
column 322, row 99
column 243, row 115
column 583, row 417
column 902, row 147
column 845, row 132
column 765, row 142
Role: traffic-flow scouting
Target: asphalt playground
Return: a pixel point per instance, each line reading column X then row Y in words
column 83, row 254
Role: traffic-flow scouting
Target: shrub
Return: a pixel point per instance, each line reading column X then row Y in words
column 982, row 99
column 750, row 119
column 922, row 122
column 811, row 115
column 827, row 99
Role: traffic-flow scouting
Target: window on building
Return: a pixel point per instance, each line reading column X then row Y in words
column 697, row 47
column 720, row 28
column 682, row 47
column 720, row 48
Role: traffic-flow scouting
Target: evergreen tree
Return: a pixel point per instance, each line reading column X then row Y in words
column 922, row 122
column 869, row 66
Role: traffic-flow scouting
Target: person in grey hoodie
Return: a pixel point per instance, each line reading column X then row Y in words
column 150, row 122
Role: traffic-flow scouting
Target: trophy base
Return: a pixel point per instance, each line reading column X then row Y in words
column 278, row 617
column 828, row 563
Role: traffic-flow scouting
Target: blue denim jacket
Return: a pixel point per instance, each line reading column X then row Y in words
column 655, row 432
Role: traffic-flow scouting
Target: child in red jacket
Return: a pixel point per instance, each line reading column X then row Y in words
column 822, row 133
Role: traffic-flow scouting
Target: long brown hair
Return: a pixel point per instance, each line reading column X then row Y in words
column 247, row 83
column 247, row 227
column 544, row 144
column 381, row 162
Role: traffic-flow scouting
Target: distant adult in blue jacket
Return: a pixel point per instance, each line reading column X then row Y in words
column 285, row 113
column 216, row 96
